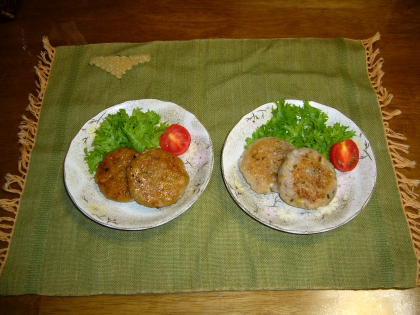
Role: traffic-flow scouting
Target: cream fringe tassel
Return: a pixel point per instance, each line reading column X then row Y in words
column 395, row 147
column 28, row 128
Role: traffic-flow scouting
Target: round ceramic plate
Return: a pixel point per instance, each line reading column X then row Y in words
column 85, row 193
column 353, row 192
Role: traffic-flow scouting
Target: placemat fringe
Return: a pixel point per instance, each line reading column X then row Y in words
column 28, row 128
column 406, row 186
column 3, row 253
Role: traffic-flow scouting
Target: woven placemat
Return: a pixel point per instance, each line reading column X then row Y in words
column 54, row 249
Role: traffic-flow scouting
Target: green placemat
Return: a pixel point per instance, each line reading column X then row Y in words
column 56, row 250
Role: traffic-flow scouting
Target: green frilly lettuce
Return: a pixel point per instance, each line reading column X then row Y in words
column 139, row 131
column 302, row 126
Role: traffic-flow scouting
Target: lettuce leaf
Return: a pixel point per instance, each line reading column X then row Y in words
column 302, row 126
column 140, row 131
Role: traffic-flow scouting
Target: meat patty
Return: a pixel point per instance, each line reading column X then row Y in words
column 260, row 161
column 157, row 178
column 111, row 174
column 307, row 179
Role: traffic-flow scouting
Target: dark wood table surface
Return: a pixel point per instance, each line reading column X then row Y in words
column 73, row 22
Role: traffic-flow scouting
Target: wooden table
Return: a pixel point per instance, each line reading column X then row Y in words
column 87, row 21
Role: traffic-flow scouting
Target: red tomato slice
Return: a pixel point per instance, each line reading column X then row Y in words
column 175, row 140
column 344, row 155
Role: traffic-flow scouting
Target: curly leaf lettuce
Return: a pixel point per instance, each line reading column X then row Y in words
column 140, row 131
column 302, row 126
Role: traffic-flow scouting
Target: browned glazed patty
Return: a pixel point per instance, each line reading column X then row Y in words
column 111, row 174
column 157, row 178
column 307, row 179
column 260, row 162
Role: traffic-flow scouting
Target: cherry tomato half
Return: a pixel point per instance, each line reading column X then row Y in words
column 344, row 155
column 175, row 140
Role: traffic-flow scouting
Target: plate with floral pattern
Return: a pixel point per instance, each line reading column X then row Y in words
column 353, row 192
column 84, row 191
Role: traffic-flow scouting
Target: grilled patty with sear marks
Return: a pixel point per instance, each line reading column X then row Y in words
column 260, row 161
column 307, row 179
column 111, row 174
column 157, row 178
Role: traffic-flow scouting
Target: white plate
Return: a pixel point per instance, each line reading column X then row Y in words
column 353, row 193
column 85, row 193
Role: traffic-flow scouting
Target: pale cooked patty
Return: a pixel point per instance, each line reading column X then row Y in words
column 260, row 162
column 111, row 174
column 157, row 178
column 307, row 179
